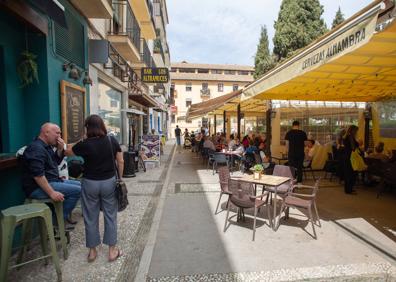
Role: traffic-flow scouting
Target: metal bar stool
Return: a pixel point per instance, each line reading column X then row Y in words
column 10, row 218
column 26, row 227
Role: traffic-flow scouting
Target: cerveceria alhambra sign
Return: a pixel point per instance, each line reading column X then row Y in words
column 155, row 75
column 335, row 48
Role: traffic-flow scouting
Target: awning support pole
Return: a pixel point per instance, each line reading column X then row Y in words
column 239, row 120
column 269, row 129
column 224, row 122
column 214, row 124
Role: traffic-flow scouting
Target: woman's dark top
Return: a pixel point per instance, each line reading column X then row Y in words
column 98, row 162
column 350, row 144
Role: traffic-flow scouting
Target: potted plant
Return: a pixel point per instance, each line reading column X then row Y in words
column 257, row 171
column 27, row 68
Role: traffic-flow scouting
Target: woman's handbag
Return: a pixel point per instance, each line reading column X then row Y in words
column 357, row 161
column 121, row 190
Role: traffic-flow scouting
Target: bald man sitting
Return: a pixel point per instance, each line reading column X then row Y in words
column 40, row 171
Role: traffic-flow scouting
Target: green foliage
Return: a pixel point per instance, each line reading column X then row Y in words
column 263, row 60
column 258, row 167
column 27, row 69
column 339, row 18
column 299, row 23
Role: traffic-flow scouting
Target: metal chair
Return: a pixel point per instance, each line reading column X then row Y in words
column 219, row 158
column 243, row 197
column 224, row 177
column 303, row 201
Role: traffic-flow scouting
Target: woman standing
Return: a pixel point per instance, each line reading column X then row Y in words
column 98, row 185
column 350, row 144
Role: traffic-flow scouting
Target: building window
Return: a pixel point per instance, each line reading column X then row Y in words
column 110, row 109
column 187, row 70
column 188, row 86
column 205, row 86
column 220, row 87
column 229, row 72
column 173, row 69
column 172, row 85
column 217, row 71
column 203, row 71
column 235, row 87
column 173, row 118
column 188, row 102
column 243, row 72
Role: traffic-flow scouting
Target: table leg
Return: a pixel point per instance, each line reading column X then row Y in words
column 274, row 218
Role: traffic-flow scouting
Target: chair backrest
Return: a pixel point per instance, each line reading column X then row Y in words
column 220, row 158
column 241, row 192
column 224, row 177
column 284, row 170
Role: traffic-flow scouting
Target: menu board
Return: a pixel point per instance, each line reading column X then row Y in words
column 73, row 104
column 151, row 147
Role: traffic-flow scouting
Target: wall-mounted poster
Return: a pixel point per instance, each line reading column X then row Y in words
column 151, row 148
column 73, row 111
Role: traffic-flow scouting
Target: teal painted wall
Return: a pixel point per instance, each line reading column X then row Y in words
column 22, row 111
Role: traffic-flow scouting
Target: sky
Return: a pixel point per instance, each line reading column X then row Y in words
column 227, row 31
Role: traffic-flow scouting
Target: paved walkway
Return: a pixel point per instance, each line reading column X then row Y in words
column 133, row 227
column 170, row 233
column 190, row 245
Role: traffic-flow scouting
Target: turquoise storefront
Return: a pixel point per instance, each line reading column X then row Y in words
column 23, row 110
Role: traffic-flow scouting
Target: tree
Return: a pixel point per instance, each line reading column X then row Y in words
column 263, row 60
column 299, row 23
column 339, row 18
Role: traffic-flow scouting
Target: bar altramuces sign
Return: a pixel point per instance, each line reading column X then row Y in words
column 155, row 75
column 73, row 104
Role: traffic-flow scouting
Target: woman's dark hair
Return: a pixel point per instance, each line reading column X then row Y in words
column 95, row 126
column 352, row 130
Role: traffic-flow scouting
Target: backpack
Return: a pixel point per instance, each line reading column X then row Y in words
column 357, row 161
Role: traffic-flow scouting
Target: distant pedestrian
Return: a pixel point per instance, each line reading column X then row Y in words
column 177, row 134
column 296, row 143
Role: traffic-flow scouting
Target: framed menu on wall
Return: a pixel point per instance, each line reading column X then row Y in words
column 73, row 105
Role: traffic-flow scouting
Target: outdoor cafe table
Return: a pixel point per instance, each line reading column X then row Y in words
column 265, row 180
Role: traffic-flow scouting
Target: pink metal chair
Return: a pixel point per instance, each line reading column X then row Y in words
column 303, row 201
column 243, row 197
column 224, row 177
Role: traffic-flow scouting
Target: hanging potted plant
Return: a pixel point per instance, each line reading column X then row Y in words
column 27, row 69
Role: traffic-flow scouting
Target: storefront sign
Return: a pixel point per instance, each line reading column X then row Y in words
column 155, row 75
column 73, row 111
column 335, row 48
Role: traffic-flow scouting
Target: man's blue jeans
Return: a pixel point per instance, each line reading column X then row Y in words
column 71, row 189
column 178, row 140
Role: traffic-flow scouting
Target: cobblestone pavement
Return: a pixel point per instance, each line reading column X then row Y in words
column 133, row 226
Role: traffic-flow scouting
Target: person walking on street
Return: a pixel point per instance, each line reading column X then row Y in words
column 98, row 185
column 350, row 144
column 296, row 143
column 177, row 134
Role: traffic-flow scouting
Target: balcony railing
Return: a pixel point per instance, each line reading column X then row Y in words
column 158, row 12
column 123, row 71
column 151, row 10
column 205, row 92
column 128, row 25
column 145, row 55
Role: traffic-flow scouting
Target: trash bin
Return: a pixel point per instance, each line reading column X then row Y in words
column 129, row 164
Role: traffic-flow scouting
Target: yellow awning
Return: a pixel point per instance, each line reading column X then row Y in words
column 354, row 62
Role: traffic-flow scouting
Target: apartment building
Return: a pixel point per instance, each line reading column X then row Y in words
column 131, row 31
column 194, row 83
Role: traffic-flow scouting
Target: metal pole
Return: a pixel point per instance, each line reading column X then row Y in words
column 224, row 122
column 239, row 120
column 214, row 124
column 269, row 129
